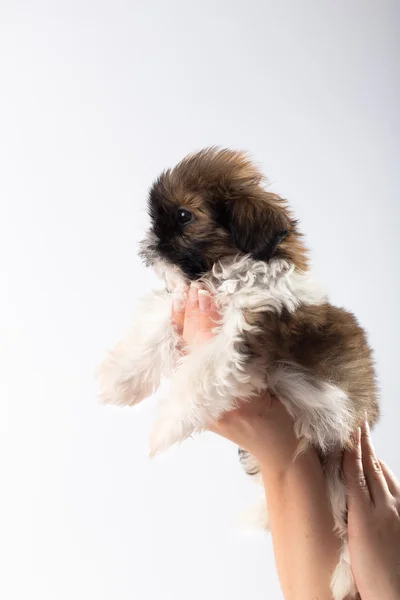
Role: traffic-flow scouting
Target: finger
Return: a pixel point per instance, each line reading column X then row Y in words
column 209, row 316
column 391, row 480
column 215, row 316
column 376, row 481
column 192, row 304
column 357, row 488
column 191, row 321
column 205, row 325
column 178, row 309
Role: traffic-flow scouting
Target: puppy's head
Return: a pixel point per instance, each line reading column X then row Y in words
column 212, row 206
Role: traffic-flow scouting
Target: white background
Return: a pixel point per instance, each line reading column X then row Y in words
column 96, row 98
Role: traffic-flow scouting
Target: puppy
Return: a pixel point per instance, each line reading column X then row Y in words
column 213, row 221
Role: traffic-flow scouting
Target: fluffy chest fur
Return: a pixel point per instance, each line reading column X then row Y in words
column 279, row 332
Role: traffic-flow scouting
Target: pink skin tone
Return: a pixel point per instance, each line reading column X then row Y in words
column 298, row 506
column 374, row 521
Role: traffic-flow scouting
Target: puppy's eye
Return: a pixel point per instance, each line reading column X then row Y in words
column 184, row 216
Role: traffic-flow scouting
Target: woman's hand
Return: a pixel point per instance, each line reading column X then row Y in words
column 373, row 520
column 261, row 425
column 299, row 513
column 194, row 316
column 299, row 509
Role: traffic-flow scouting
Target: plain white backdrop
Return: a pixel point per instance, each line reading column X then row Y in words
column 95, row 99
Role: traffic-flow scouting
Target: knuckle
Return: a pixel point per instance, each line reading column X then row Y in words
column 376, row 465
column 390, row 515
column 361, row 482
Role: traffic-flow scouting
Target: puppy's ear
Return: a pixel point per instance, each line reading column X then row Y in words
column 257, row 224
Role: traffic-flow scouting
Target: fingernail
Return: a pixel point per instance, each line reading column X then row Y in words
column 193, row 292
column 366, row 422
column 204, row 300
column 179, row 301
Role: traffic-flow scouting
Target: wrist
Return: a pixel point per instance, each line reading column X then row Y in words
column 273, row 440
column 289, row 466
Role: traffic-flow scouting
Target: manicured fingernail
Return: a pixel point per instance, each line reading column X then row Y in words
column 366, row 422
column 193, row 292
column 179, row 301
column 204, row 300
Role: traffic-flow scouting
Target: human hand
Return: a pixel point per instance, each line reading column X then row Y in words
column 373, row 521
column 299, row 513
column 261, row 425
column 194, row 315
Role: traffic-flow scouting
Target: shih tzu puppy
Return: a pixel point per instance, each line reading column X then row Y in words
column 213, row 221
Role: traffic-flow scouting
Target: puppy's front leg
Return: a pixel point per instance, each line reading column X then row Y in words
column 208, row 383
column 133, row 369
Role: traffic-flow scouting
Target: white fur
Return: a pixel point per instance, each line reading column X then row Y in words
column 343, row 584
column 337, row 491
column 215, row 374
column 321, row 410
column 255, row 518
column 207, row 382
column 133, row 369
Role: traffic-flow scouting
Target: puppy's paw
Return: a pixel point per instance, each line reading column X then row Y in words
column 133, row 369
column 168, row 431
column 120, row 384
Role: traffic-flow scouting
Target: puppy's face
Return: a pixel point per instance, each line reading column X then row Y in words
column 212, row 206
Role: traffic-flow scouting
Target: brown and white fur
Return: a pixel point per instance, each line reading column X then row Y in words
column 212, row 220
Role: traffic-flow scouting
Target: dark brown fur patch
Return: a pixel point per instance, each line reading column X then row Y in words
column 234, row 214
column 326, row 342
